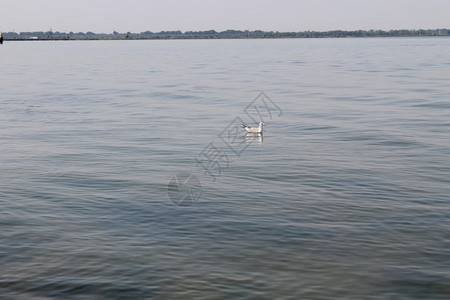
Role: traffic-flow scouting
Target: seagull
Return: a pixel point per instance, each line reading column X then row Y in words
column 258, row 129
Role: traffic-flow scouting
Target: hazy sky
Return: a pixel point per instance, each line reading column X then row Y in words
column 270, row 15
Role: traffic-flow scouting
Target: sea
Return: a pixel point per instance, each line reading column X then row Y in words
column 125, row 172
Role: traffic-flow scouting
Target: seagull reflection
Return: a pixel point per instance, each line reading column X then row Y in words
column 254, row 138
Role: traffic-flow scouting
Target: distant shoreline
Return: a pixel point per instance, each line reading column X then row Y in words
column 212, row 34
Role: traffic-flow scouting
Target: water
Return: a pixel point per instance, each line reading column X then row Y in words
column 345, row 197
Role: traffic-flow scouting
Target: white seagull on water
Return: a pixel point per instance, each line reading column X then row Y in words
column 258, row 129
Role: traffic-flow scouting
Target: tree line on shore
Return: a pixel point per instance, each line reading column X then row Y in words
column 212, row 34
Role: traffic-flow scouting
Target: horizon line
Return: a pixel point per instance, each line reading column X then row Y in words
column 230, row 30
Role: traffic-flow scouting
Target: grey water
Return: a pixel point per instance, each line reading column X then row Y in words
column 346, row 195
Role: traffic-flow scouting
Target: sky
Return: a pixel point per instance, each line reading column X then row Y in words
column 106, row 16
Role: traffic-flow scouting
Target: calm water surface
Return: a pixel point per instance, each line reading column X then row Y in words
column 345, row 197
